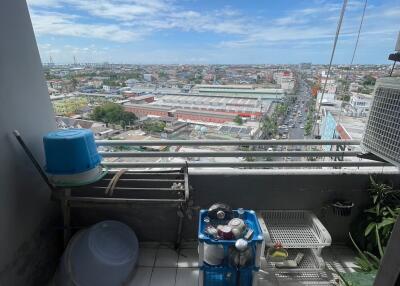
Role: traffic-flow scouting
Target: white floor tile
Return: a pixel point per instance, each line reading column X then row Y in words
column 188, row 258
column 141, row 277
column 166, row 257
column 187, row 277
column 189, row 244
column 147, row 257
column 163, row 277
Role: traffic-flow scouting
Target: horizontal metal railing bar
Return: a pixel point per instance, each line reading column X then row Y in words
column 246, row 164
column 234, row 154
column 148, row 174
column 224, row 142
column 149, row 180
column 138, row 189
column 120, row 200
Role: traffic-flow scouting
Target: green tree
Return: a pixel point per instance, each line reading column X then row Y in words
column 74, row 83
column 154, row 126
column 369, row 80
column 270, row 126
column 238, row 120
column 113, row 113
column 280, row 109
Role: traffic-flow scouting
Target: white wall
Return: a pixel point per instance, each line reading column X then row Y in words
column 25, row 106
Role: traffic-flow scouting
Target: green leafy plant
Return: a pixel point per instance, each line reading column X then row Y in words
column 381, row 216
column 378, row 221
column 366, row 261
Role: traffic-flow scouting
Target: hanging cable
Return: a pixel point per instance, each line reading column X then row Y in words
column 339, row 25
column 359, row 32
column 347, row 87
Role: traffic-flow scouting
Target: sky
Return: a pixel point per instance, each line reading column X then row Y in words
column 212, row 31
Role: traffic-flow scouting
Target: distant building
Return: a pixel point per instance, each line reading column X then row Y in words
column 100, row 130
column 148, row 77
column 286, row 80
column 249, row 108
column 106, row 88
column 328, row 99
column 143, row 99
column 305, row 66
column 238, row 91
column 128, row 93
column 331, row 85
column 348, row 124
column 360, row 102
column 144, row 110
column 131, row 82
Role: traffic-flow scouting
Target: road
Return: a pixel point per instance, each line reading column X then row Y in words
column 297, row 132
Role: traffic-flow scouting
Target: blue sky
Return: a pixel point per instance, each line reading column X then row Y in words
column 212, row 31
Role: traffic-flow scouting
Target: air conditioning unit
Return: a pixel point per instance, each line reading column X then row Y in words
column 382, row 133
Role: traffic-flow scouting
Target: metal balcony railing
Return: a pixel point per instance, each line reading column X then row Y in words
column 326, row 158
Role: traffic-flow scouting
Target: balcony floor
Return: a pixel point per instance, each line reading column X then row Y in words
column 161, row 265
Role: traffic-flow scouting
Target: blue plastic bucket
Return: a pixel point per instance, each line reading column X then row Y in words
column 70, row 151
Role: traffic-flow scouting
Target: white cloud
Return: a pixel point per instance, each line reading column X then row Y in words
column 393, row 12
column 59, row 24
column 119, row 10
column 43, row 3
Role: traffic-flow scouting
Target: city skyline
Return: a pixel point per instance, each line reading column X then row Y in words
column 205, row 32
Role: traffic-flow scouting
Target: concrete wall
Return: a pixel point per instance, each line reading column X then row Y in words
column 25, row 208
column 258, row 190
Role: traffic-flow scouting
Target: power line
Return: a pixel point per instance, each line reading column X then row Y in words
column 347, row 87
column 339, row 25
column 359, row 32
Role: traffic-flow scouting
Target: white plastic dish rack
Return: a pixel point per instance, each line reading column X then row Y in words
column 262, row 278
column 294, row 229
column 310, row 262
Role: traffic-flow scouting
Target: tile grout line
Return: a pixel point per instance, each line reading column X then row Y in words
column 154, row 265
column 177, row 260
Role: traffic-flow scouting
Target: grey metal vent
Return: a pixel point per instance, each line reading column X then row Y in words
column 382, row 133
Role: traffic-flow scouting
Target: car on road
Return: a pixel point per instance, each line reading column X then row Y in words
column 301, row 127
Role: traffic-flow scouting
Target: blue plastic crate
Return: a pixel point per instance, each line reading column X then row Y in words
column 255, row 243
column 226, row 276
column 249, row 217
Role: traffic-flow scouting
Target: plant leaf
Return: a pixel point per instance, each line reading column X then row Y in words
column 391, row 212
column 375, row 259
column 369, row 228
column 362, row 255
column 378, row 241
column 362, row 264
column 386, row 222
